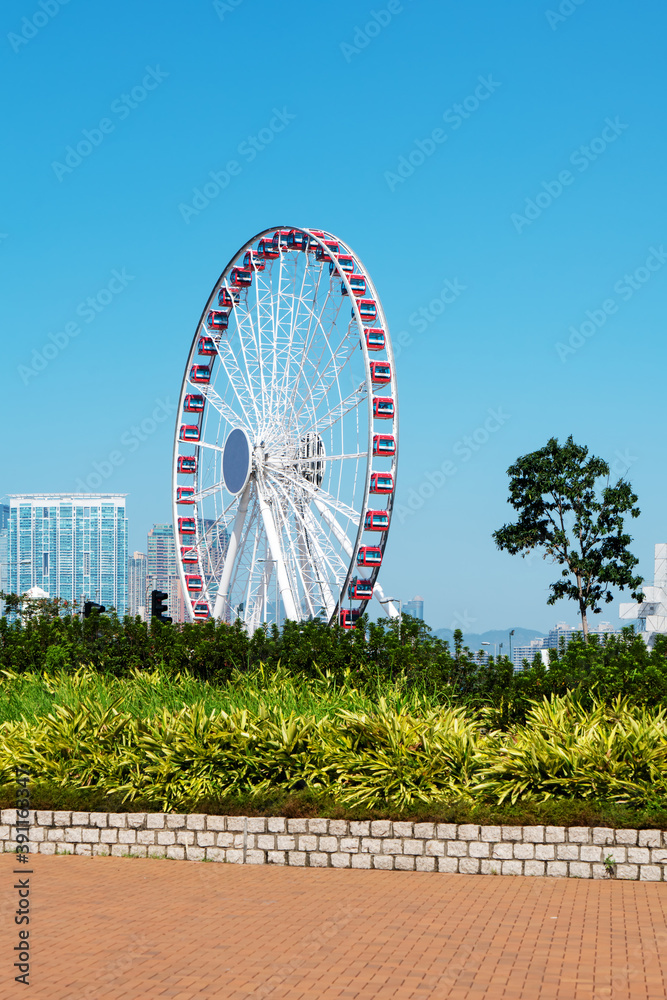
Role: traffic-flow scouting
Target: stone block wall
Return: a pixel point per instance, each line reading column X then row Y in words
column 562, row 852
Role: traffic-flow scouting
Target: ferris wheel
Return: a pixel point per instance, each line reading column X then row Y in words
column 286, row 441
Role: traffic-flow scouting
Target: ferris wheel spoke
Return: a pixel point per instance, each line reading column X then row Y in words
column 232, row 547
column 275, row 547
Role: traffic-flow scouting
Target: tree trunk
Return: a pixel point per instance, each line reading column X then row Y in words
column 584, row 622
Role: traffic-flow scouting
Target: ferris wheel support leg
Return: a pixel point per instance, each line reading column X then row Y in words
column 276, row 552
column 378, row 592
column 232, row 548
column 335, row 527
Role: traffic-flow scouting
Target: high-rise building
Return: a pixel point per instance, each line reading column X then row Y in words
column 161, row 569
column 136, row 584
column 4, row 552
column 71, row 545
column 561, row 635
column 415, row 607
column 651, row 613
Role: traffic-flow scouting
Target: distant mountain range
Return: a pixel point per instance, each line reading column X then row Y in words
column 474, row 640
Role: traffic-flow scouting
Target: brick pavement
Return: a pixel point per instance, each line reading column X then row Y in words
column 137, row 929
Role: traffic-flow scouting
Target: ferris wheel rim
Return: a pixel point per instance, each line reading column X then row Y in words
column 317, row 238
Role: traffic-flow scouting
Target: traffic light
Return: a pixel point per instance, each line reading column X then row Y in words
column 159, row 606
column 90, row 606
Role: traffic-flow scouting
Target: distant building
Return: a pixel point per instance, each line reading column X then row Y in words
column 161, row 570
column 4, row 552
column 136, row 584
column 651, row 613
column 71, row 545
column 415, row 607
column 560, row 633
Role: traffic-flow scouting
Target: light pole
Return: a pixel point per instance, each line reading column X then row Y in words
column 396, row 600
column 511, row 634
column 500, row 650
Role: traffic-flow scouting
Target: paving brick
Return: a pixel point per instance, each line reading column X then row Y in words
column 318, row 826
column 155, row 821
column 446, row 831
column 567, row 852
column 535, row 868
column 383, row 862
column 524, row 852
column 381, row 828
column 340, row 860
column 469, row 866
column 435, row 848
column 650, row 838
column 424, row 830
column 276, row 824
column 557, row 869
column 580, row 869
column 361, row 861
column 510, row 867
column 137, row 821
column 175, row 821
column 479, row 849
column 413, row 846
column 297, row 825
column 545, row 852
column 639, row 855
column 319, row 859
column 448, row 865
column 216, row 823
column 554, row 834
column 627, row 871
column 628, row 837
column 490, row 833
column 468, row 831
column 360, row 829
column 533, row 834
column 404, row 864
column 403, row 829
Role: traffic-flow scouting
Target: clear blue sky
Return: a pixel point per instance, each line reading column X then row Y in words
column 353, row 103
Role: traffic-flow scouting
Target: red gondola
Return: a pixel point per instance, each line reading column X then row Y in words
column 189, row 556
column 207, row 345
column 384, row 444
column 360, row 590
column 345, row 263
column 194, row 582
column 374, row 338
column 280, row 239
column 193, row 403
column 187, row 526
column 376, row 520
column 369, row 555
column 382, row 482
column 186, row 465
column 368, row 310
column 383, row 408
column 217, row 320
column 380, row 372
column 312, row 244
column 265, row 248
column 200, row 373
column 296, row 240
column 357, row 284
column 349, row 617
column 241, row 277
column 325, row 253
column 189, row 432
column 227, row 299
column 201, row 611
column 253, row 260
column 185, row 494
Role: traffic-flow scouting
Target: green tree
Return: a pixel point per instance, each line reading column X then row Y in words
column 576, row 520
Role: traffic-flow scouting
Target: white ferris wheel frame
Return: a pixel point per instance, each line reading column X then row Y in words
column 334, row 598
